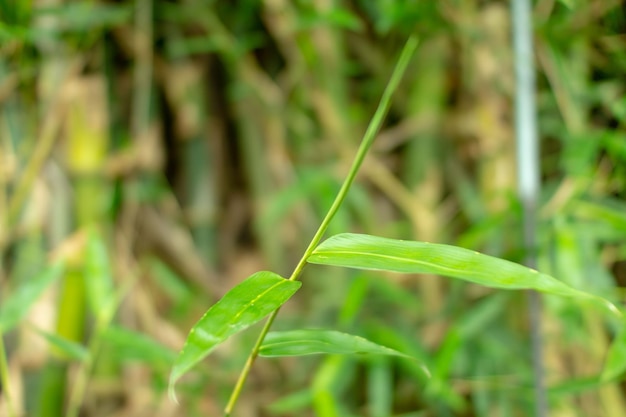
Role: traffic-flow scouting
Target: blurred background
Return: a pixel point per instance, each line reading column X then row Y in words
column 166, row 150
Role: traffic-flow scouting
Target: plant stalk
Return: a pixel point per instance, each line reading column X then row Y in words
column 86, row 367
column 4, row 379
column 528, row 179
column 366, row 143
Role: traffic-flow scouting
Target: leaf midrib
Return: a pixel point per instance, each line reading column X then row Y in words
column 432, row 265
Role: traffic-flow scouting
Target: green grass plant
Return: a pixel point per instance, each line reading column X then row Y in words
column 255, row 298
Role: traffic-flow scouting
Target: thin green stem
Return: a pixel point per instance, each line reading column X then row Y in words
column 95, row 345
column 82, row 379
column 4, row 378
column 243, row 375
column 366, row 143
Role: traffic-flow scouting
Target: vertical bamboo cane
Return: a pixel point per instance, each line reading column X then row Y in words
column 528, row 176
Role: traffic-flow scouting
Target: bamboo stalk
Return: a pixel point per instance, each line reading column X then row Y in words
column 528, row 178
column 87, row 147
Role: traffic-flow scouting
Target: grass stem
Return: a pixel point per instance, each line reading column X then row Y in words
column 85, row 370
column 4, row 379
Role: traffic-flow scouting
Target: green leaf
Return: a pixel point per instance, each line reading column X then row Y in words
column 344, row 19
column 15, row 307
column 99, row 278
column 80, row 17
column 377, row 253
column 69, row 348
column 244, row 305
column 615, row 365
column 316, row 341
column 297, row 402
column 128, row 345
column 380, row 387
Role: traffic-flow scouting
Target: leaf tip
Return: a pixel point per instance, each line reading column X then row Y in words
column 171, row 389
column 613, row 308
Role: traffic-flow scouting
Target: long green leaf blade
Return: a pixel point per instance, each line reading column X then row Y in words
column 17, row 305
column 377, row 253
column 129, row 345
column 99, row 278
column 320, row 341
column 69, row 348
column 244, row 305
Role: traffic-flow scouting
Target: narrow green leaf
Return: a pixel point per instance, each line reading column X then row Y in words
column 244, row 305
column 132, row 346
column 99, row 278
column 330, row 384
column 380, row 387
column 615, row 365
column 69, row 348
column 316, row 341
column 573, row 386
column 15, row 307
column 78, row 17
column 294, row 403
column 377, row 253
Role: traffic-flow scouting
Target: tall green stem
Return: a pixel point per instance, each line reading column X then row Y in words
column 4, row 378
column 366, row 143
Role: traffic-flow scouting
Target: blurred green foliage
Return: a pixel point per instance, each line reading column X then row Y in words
column 204, row 140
